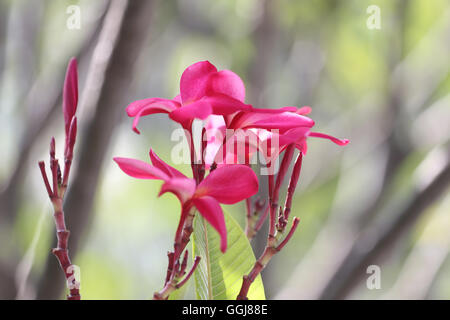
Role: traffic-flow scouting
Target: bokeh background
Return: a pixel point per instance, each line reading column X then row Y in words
column 382, row 200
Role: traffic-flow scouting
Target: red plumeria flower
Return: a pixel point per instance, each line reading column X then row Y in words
column 203, row 91
column 269, row 131
column 253, row 122
column 227, row 185
column 281, row 119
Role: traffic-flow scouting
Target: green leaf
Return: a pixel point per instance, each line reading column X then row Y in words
column 219, row 276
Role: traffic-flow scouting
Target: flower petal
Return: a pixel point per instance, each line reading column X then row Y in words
column 164, row 167
column 282, row 121
column 226, row 82
column 222, row 104
column 70, row 93
column 196, row 110
column 140, row 169
column 144, row 107
column 183, row 188
column 340, row 142
column 152, row 105
column 177, row 98
column 193, row 82
column 239, row 148
column 293, row 135
column 210, row 209
column 215, row 133
column 229, row 184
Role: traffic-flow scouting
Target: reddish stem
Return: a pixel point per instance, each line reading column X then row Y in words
column 292, row 185
column 294, row 226
column 271, row 244
column 191, row 272
column 62, row 234
column 259, row 265
column 175, row 269
column 282, row 173
column 194, row 165
column 61, row 252
column 173, row 285
column 44, row 177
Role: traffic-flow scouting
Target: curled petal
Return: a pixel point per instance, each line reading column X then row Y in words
column 210, row 209
column 151, row 105
column 236, row 116
column 145, row 107
column 164, row 167
column 226, row 82
column 196, row 110
column 282, row 121
column 70, row 93
column 293, row 135
column 229, row 184
column 194, row 80
column 183, row 188
column 340, row 142
column 140, row 169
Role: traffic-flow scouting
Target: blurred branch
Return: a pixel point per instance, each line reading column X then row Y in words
column 122, row 38
column 380, row 237
column 431, row 250
column 398, row 144
column 25, row 35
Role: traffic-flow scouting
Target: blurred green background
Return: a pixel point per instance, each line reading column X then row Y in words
column 387, row 90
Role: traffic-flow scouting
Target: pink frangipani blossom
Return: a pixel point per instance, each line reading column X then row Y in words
column 227, row 185
column 267, row 131
column 203, row 91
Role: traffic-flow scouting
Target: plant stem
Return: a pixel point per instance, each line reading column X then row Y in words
column 261, row 263
column 292, row 185
column 175, row 270
column 173, row 284
column 56, row 193
column 61, row 252
column 254, row 219
column 275, row 230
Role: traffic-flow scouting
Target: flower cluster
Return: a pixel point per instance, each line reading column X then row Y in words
column 218, row 97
